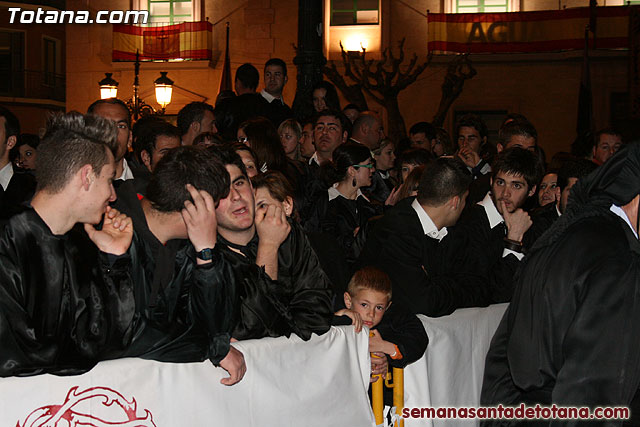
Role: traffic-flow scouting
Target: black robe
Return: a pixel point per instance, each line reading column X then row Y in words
column 543, row 218
column 429, row 277
column 570, row 334
column 61, row 309
column 301, row 295
column 484, row 247
column 187, row 308
column 340, row 217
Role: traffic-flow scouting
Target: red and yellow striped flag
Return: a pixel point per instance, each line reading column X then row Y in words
column 188, row 40
column 542, row 31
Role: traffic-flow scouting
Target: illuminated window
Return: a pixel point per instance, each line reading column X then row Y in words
column 486, row 6
column 170, row 11
column 354, row 12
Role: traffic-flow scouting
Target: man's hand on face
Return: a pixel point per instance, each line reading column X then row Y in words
column 272, row 225
column 200, row 219
column 469, row 157
column 116, row 234
column 517, row 222
column 234, row 364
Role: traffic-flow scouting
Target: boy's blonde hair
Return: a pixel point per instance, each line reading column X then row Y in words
column 370, row 278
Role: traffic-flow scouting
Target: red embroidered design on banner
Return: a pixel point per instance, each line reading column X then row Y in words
column 103, row 413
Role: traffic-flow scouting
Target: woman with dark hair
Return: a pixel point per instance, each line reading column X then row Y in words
column 343, row 210
column 24, row 153
column 260, row 134
column 410, row 159
column 325, row 97
column 272, row 188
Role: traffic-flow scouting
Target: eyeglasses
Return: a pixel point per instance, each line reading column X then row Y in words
column 369, row 166
column 243, row 139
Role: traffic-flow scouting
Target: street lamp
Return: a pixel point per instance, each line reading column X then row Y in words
column 108, row 87
column 137, row 106
column 164, row 88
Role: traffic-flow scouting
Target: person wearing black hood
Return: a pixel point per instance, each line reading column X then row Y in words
column 570, row 335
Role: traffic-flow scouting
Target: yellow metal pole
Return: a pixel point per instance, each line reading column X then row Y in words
column 377, row 401
column 398, row 393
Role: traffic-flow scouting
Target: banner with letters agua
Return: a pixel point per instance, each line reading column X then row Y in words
column 524, row 32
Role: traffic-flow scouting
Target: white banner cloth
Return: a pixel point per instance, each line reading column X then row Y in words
column 289, row 382
column 450, row 373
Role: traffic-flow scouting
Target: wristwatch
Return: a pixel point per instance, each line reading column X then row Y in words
column 205, row 254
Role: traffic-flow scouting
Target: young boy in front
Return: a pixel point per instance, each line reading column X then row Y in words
column 396, row 334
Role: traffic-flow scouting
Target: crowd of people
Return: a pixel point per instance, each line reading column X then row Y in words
column 249, row 219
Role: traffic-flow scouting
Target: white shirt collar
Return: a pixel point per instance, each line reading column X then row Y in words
column 622, row 214
column 314, row 159
column 5, row 175
column 492, row 212
column 428, row 226
column 558, row 210
column 334, row 193
column 266, row 95
column 126, row 171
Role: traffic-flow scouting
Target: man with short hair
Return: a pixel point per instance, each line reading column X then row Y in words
column 9, row 131
column 307, row 146
column 608, row 142
column 275, row 77
column 247, row 79
column 63, row 306
column 472, row 134
column 153, row 144
column 569, row 336
column 182, row 288
column 517, row 133
column 249, row 104
column 195, row 118
column 493, row 229
column 117, row 111
column 16, row 186
column 267, row 238
column 410, row 243
column 368, row 130
column 422, row 135
column 329, row 131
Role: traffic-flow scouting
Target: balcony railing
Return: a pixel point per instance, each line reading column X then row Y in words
column 162, row 42
column 33, row 84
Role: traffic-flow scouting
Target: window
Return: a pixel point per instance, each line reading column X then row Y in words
column 49, row 61
column 11, row 63
column 354, row 12
column 486, row 6
column 170, row 11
